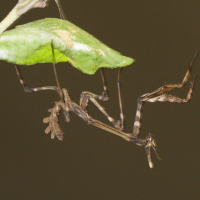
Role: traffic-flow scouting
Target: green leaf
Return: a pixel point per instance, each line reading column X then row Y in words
column 31, row 44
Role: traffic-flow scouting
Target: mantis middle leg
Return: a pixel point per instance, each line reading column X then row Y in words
column 88, row 96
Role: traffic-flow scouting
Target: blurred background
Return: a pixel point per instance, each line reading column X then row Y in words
column 90, row 163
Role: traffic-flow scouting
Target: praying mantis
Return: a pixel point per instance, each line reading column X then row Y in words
column 61, row 41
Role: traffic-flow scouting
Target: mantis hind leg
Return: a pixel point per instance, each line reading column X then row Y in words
column 61, row 105
column 53, row 118
column 60, row 92
column 28, row 89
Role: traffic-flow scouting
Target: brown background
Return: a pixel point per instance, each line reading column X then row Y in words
column 91, row 163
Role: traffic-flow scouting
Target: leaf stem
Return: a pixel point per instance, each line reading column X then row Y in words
column 22, row 7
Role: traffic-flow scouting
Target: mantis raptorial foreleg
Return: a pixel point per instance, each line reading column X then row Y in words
column 160, row 98
column 152, row 97
column 80, row 110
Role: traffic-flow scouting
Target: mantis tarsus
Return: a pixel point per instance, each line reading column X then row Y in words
column 66, row 103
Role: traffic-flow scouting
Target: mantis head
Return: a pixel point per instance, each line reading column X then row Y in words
column 150, row 143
